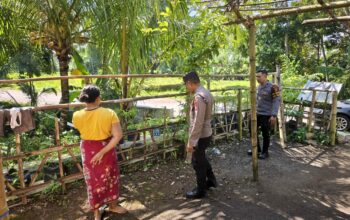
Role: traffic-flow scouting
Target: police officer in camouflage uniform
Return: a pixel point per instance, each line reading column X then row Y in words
column 268, row 102
column 200, row 133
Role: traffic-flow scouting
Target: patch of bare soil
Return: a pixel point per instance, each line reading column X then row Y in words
column 299, row 182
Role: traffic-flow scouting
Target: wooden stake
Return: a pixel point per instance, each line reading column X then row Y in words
column 281, row 119
column 311, row 112
column 225, row 120
column 59, row 153
column 252, row 33
column 188, row 155
column 20, row 166
column 4, row 211
column 239, row 110
column 165, row 132
column 333, row 131
column 215, row 127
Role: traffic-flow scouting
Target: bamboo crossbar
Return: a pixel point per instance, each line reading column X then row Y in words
column 39, row 152
column 14, row 81
column 266, row 9
column 119, row 101
column 297, row 10
column 301, row 89
column 326, row 20
column 264, row 3
column 120, row 76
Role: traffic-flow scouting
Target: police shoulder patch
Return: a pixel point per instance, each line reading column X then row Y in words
column 275, row 91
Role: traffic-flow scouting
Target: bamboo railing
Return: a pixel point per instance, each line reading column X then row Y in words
column 329, row 113
column 148, row 147
column 136, row 150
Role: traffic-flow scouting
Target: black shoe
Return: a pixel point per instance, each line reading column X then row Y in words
column 212, row 183
column 250, row 153
column 195, row 194
column 263, row 156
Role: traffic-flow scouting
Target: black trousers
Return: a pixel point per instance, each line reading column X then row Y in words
column 263, row 125
column 201, row 164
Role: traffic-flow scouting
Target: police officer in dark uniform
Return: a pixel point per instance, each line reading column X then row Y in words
column 200, row 133
column 268, row 102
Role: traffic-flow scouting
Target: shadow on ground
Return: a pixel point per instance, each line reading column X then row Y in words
column 299, row 182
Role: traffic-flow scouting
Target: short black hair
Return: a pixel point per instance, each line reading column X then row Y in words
column 89, row 94
column 263, row 71
column 191, row 77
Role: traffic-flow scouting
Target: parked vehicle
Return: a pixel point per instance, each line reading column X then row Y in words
column 343, row 115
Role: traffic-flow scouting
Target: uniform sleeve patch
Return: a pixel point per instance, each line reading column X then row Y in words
column 275, row 90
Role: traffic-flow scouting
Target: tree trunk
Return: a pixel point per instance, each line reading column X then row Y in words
column 105, row 69
column 124, row 63
column 318, row 53
column 63, row 60
column 324, row 56
column 286, row 44
column 124, row 58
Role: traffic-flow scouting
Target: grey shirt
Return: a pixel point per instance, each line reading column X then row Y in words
column 200, row 116
column 268, row 99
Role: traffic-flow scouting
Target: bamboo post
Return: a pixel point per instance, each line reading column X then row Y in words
column 215, row 128
column 165, row 128
column 275, row 81
column 325, row 121
column 4, row 211
column 239, row 110
column 252, row 32
column 20, row 166
column 164, row 133
column 281, row 119
column 188, row 155
column 333, row 130
column 225, row 121
column 311, row 113
column 59, row 153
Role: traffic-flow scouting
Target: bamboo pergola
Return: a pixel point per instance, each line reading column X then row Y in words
column 249, row 22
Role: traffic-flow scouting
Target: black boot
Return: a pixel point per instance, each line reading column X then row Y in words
column 195, row 194
column 212, row 183
column 264, row 156
column 250, row 152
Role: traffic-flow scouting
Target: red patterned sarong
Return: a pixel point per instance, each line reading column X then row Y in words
column 102, row 180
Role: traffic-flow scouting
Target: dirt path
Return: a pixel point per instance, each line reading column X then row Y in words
column 300, row 182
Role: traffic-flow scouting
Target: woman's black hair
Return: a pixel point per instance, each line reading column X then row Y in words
column 89, row 94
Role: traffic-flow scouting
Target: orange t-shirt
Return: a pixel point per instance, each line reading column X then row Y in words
column 95, row 124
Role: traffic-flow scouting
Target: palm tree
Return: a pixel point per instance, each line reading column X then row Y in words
column 57, row 25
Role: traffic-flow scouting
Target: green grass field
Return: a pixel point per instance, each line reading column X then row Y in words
column 150, row 86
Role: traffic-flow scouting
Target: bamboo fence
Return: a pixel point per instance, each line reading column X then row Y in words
column 134, row 151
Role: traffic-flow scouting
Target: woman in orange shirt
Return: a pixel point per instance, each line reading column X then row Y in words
column 100, row 131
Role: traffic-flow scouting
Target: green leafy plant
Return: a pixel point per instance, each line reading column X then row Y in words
column 298, row 135
column 69, row 137
column 322, row 138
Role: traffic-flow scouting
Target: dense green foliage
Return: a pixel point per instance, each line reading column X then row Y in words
column 171, row 36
